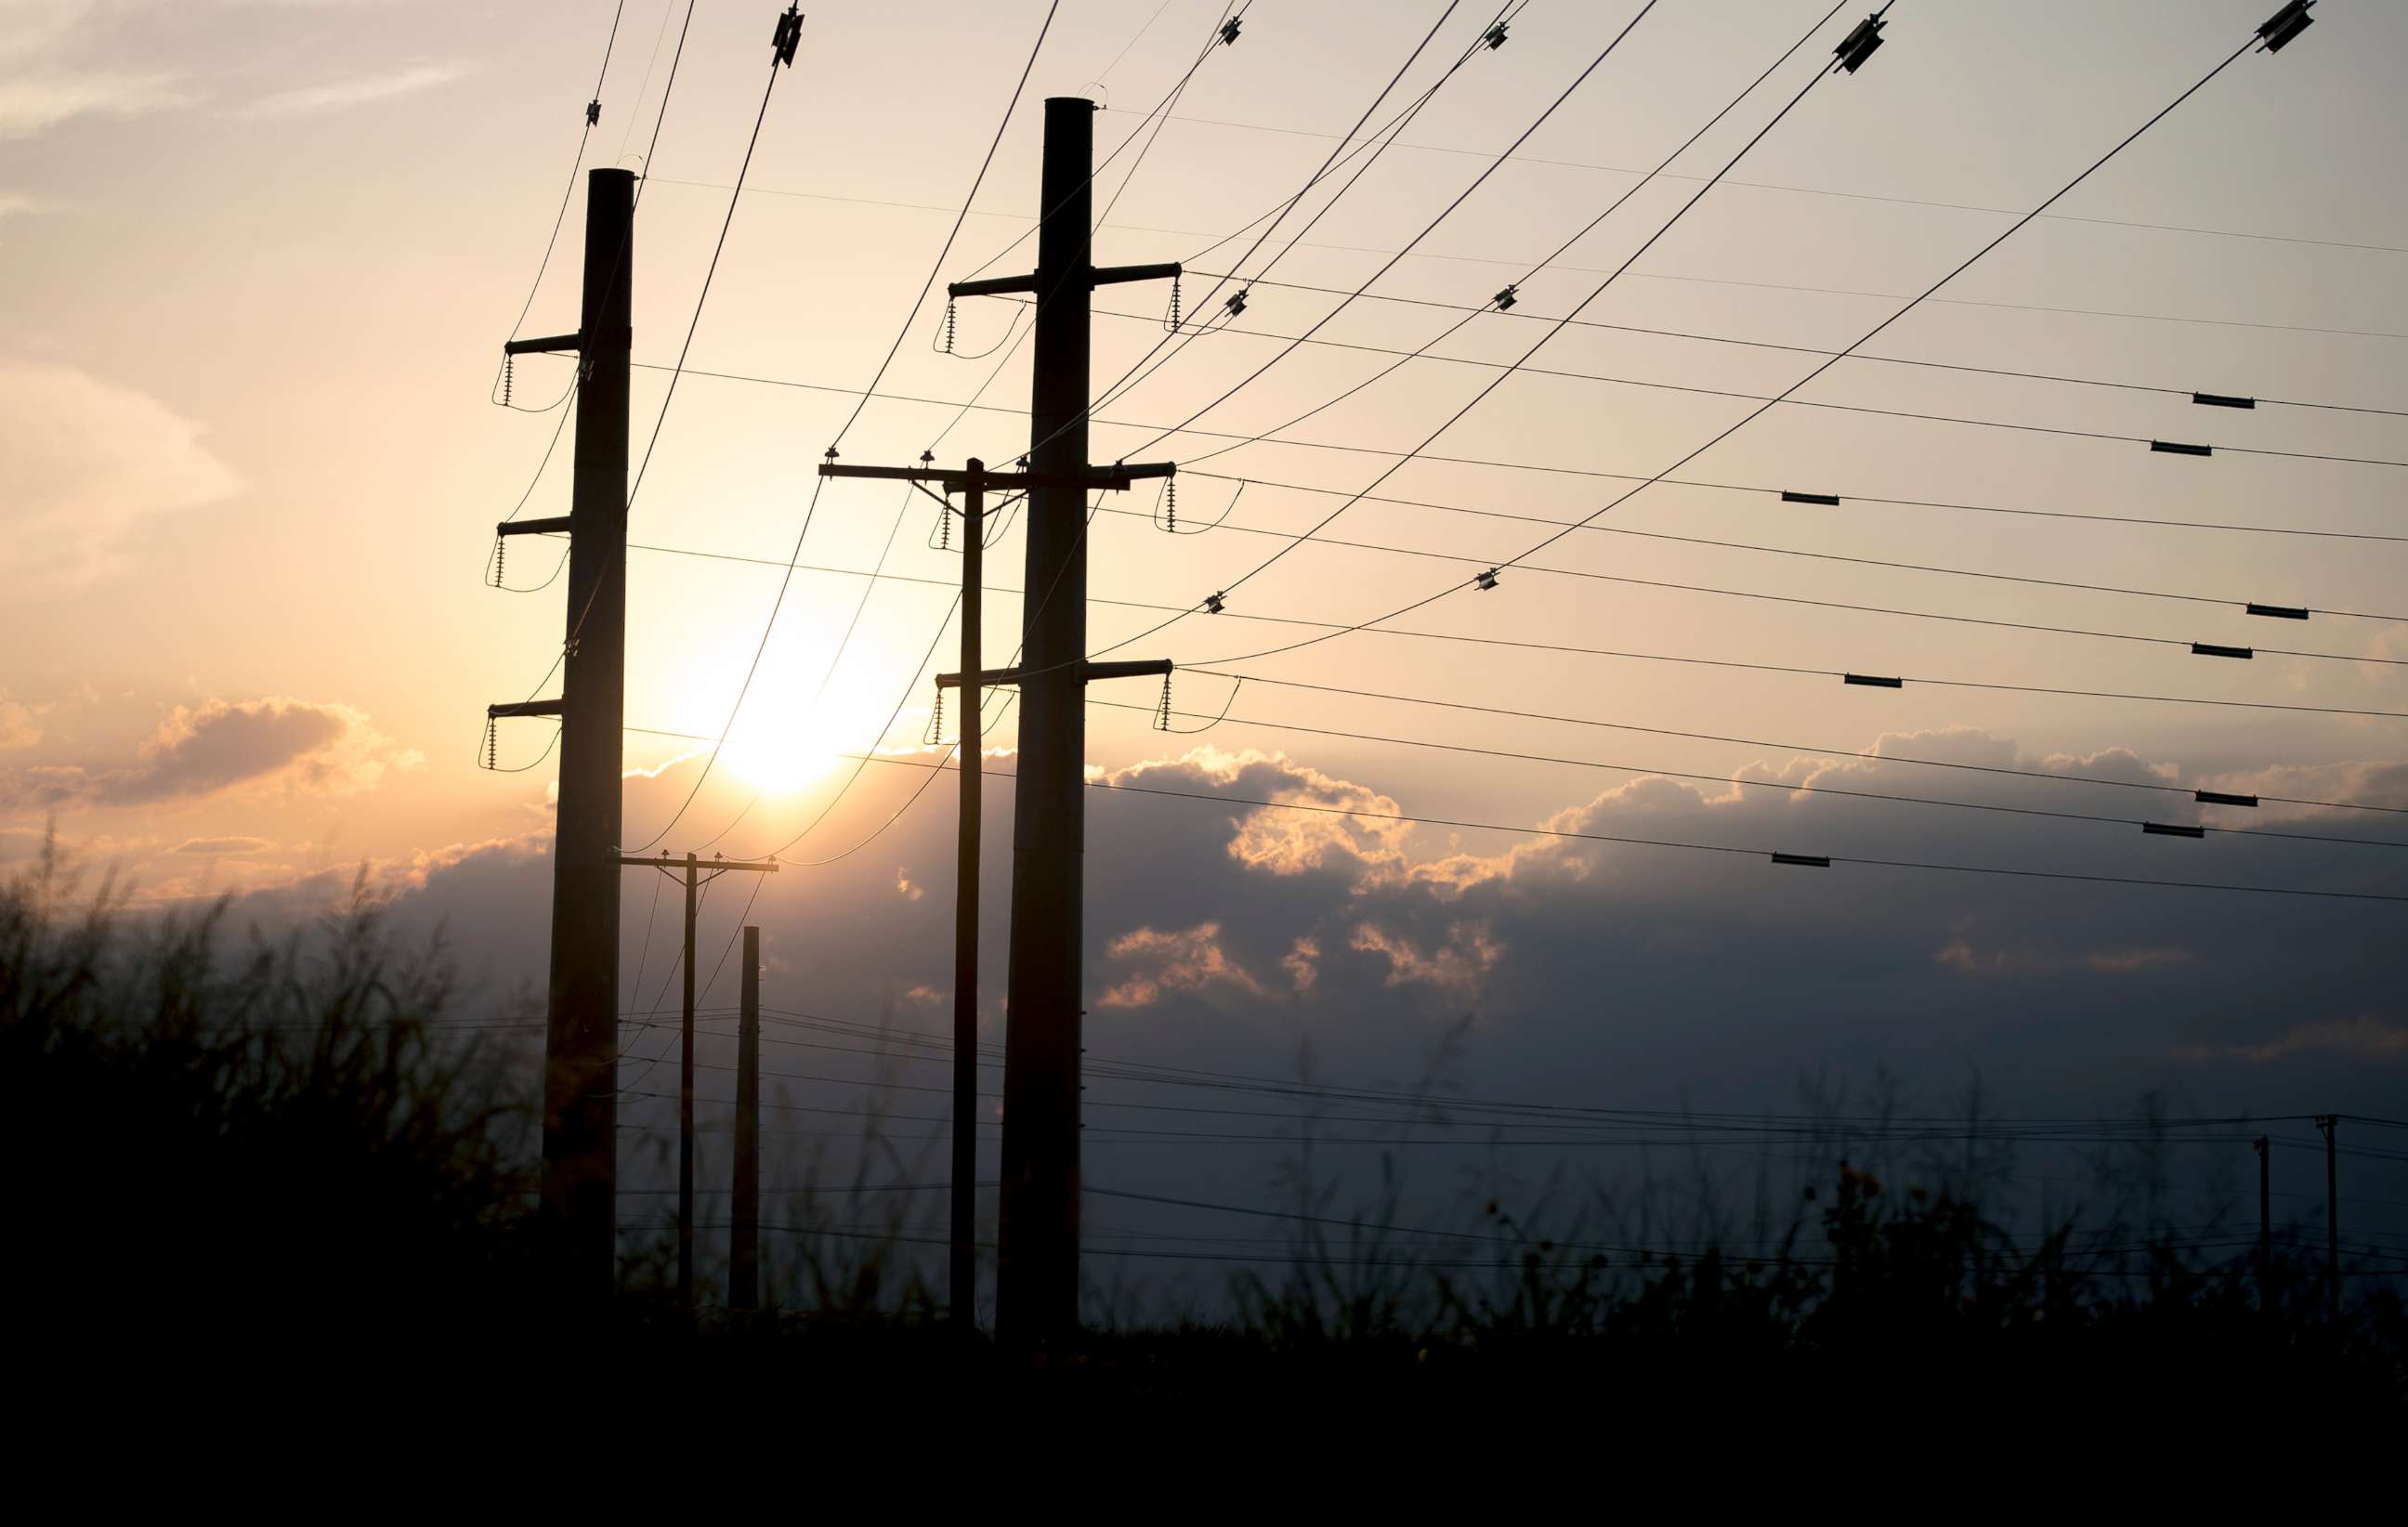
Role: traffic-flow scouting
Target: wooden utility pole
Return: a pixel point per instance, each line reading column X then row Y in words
column 2327, row 1123
column 1036, row 1280
column 744, row 1232
column 972, row 482
column 579, row 1210
column 696, row 877
column 2265, row 1222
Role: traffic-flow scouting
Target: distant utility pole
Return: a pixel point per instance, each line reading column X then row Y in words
column 972, row 482
column 2328, row 1124
column 744, row 1233
column 697, row 874
column 2265, row 1221
column 579, row 1213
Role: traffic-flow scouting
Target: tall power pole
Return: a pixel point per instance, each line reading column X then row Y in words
column 744, row 1231
column 1037, row 1284
column 579, row 1213
column 972, row 483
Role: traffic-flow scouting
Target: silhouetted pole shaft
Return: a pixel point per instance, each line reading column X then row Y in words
column 685, row 1105
column 1037, row 1278
column 2331, row 1124
column 744, row 1235
column 579, row 1181
column 963, row 1273
column 2265, row 1221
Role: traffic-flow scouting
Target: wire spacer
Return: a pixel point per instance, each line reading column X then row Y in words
column 1494, row 37
column 1212, row 602
column 593, row 111
column 1486, row 580
column 1229, row 31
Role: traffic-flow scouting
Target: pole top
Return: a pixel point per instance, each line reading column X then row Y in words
column 1069, row 103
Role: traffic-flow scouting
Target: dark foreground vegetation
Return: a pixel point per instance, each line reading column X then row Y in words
column 236, row 1164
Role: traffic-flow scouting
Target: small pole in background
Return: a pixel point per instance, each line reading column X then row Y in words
column 2327, row 1122
column 744, row 1235
column 2265, row 1222
column 685, row 1109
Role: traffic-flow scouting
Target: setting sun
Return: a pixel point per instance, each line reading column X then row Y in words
column 779, row 753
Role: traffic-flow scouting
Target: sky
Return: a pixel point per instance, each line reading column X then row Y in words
column 258, row 257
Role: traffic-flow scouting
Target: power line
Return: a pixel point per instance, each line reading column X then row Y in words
column 1825, row 190
column 1488, row 579
column 1742, row 781
column 1791, row 746
column 1551, row 469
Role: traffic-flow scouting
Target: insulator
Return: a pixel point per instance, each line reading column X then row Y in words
column 1174, row 305
column 2286, row 24
column 936, row 721
column 1162, row 712
column 944, row 530
column 949, row 328
column 493, row 743
column 509, row 366
column 1170, row 503
column 499, row 543
column 1860, row 44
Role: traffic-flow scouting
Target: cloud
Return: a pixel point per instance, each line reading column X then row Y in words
column 217, row 847
column 17, row 726
column 1191, row 959
column 2364, row 1038
column 362, row 90
column 18, row 204
column 253, row 746
column 32, row 103
column 89, row 460
column 1453, row 967
column 904, row 888
column 2129, row 962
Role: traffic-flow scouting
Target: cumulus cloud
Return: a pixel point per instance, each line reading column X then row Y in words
column 251, row 746
column 88, row 461
column 1187, row 959
column 362, row 90
column 17, row 725
column 2363, row 1037
column 220, row 847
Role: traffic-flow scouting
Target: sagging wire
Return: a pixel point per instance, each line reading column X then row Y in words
column 495, row 580
column 490, row 752
column 1162, row 712
column 942, row 342
column 1165, row 510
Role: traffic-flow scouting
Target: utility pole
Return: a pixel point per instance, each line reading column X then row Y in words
column 744, row 1235
column 1037, row 1281
column 579, row 1212
column 696, row 878
column 2265, row 1222
column 972, row 482
column 2327, row 1123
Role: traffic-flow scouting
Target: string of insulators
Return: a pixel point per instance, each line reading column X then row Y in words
column 1229, row 31
column 936, row 721
column 499, row 543
column 493, row 743
column 509, row 370
column 1162, row 712
column 948, row 327
column 1170, row 503
column 1174, row 305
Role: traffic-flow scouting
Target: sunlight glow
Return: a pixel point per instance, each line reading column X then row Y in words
column 779, row 753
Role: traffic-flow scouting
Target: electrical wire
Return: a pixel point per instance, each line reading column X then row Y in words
column 1867, row 336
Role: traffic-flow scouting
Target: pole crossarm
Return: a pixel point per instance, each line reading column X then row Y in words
column 1115, row 478
column 1001, row 286
column 765, row 866
column 526, row 707
column 547, row 345
column 557, row 525
column 1088, row 673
